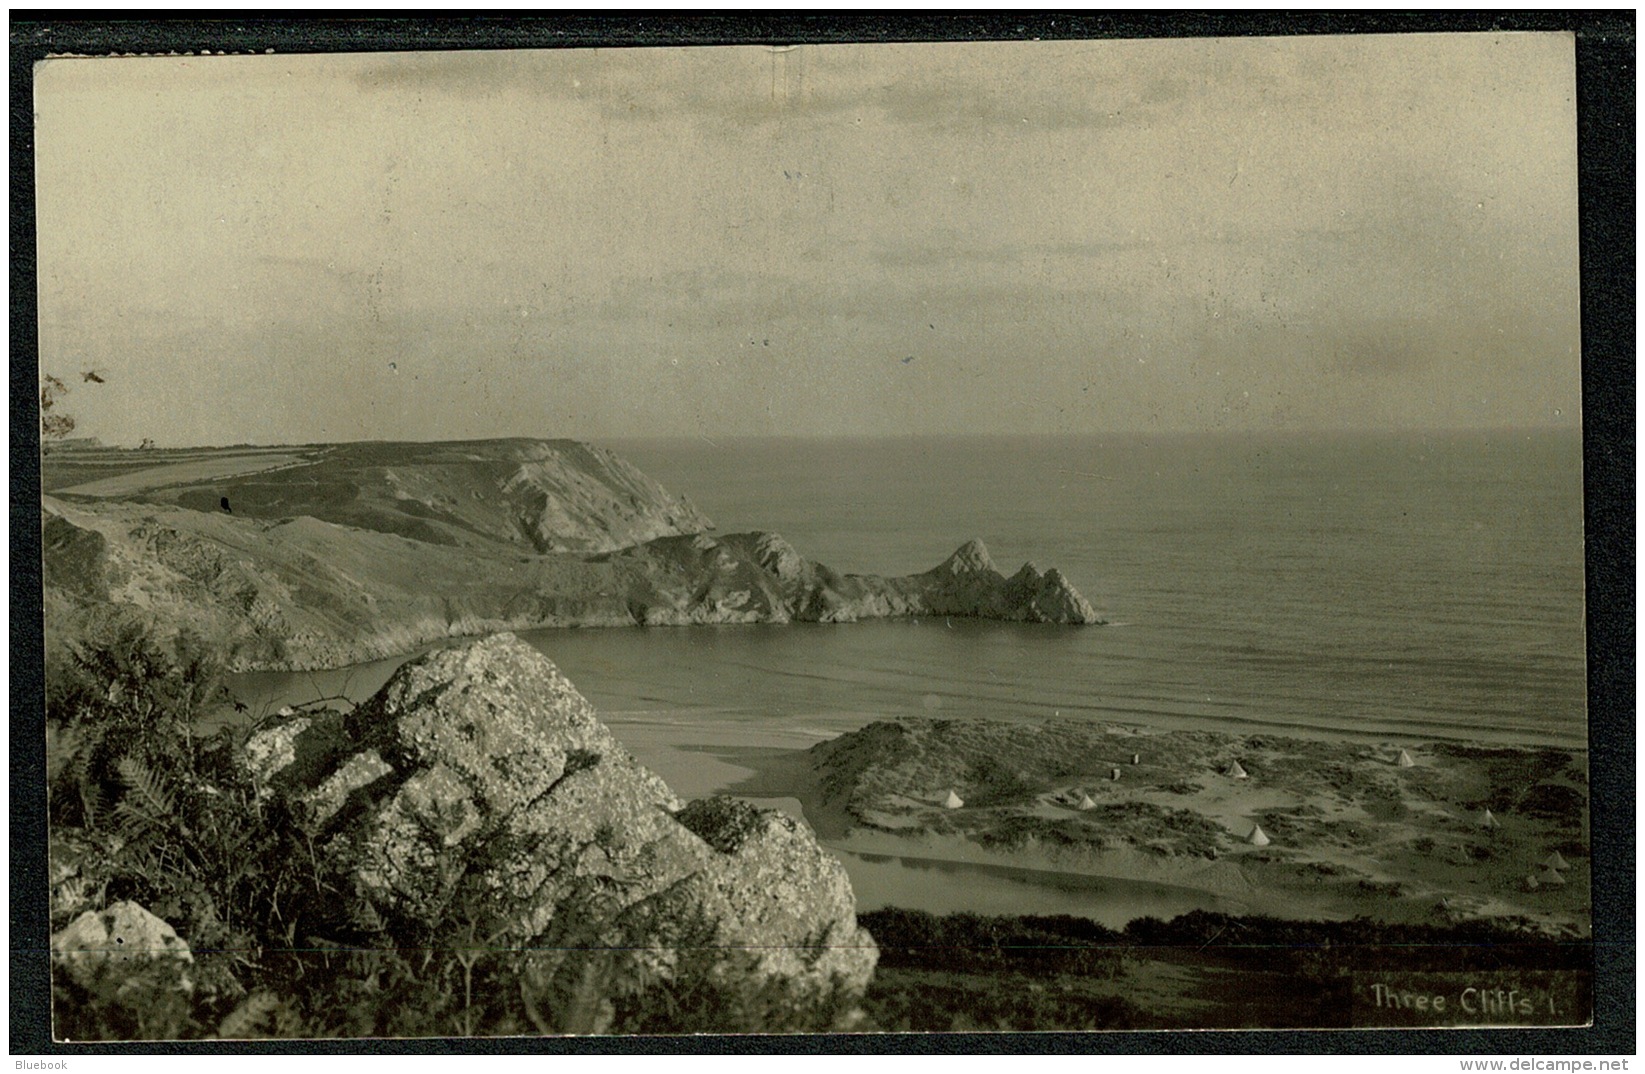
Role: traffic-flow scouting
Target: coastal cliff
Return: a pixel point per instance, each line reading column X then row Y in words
column 331, row 556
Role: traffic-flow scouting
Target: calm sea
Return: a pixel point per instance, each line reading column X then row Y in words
column 1400, row 585
column 1403, row 586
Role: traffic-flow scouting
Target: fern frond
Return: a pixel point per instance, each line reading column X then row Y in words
column 136, row 829
column 148, row 794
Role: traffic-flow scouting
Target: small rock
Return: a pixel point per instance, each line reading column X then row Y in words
column 123, row 950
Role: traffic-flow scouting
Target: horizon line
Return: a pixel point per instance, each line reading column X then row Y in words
column 95, row 443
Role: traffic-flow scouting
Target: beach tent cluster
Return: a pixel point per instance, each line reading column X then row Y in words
column 1553, row 866
column 1551, row 875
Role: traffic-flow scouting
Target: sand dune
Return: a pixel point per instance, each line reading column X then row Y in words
column 1351, row 832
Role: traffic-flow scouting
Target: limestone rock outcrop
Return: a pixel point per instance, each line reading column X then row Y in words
column 477, row 794
column 758, row 577
column 968, row 584
column 1047, row 598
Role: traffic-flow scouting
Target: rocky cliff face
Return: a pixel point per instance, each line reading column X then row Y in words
column 382, row 555
column 759, row 577
column 301, row 593
column 478, row 795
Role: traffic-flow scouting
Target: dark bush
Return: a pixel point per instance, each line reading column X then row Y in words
column 1553, row 801
column 973, row 943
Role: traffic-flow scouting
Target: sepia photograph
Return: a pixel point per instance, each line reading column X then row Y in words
column 859, row 537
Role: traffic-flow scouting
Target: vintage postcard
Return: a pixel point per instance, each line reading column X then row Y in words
column 993, row 536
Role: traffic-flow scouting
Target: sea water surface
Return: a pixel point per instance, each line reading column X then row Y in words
column 1399, row 586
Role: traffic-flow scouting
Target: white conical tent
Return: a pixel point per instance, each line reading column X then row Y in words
column 1556, row 862
column 1489, row 820
column 1258, row 838
column 1405, row 760
column 1550, row 878
column 1086, row 802
column 1237, row 772
column 953, row 801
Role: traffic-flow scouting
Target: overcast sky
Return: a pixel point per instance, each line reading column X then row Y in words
column 1348, row 232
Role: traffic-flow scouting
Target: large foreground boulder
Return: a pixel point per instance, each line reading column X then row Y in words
column 477, row 796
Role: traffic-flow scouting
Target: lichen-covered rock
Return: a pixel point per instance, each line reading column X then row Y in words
column 477, row 795
column 502, row 781
column 293, row 753
column 123, row 953
column 763, row 934
column 320, row 805
column 772, row 879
